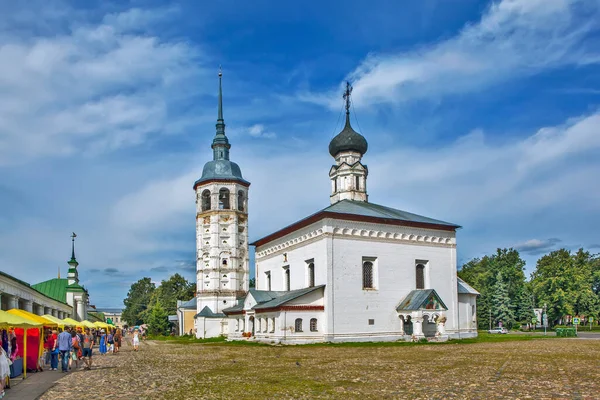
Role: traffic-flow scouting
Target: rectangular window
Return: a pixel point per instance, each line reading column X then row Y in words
column 369, row 272
column 286, row 278
column 357, row 183
column 268, row 276
column 371, row 322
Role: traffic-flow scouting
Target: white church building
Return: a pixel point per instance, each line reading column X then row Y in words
column 353, row 271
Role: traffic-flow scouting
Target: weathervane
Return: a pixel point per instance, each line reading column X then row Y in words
column 347, row 93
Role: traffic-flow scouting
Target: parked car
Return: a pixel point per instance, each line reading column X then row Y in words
column 498, row 329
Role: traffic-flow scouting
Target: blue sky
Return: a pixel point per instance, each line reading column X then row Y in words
column 486, row 114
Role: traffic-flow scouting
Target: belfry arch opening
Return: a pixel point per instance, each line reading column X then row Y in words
column 206, row 200
column 224, row 199
column 241, row 200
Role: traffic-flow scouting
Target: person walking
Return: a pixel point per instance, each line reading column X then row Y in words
column 118, row 337
column 65, row 343
column 102, row 345
column 136, row 340
column 76, row 350
column 87, row 346
column 52, row 348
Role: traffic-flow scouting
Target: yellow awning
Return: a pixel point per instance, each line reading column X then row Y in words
column 58, row 321
column 72, row 322
column 8, row 320
column 88, row 324
column 33, row 317
column 99, row 324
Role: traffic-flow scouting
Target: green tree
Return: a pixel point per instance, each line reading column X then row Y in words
column 502, row 308
column 565, row 283
column 173, row 289
column 158, row 321
column 137, row 301
column 252, row 282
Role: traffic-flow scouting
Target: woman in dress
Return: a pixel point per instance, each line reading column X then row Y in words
column 4, row 370
column 136, row 340
column 102, row 346
column 75, row 350
column 118, row 340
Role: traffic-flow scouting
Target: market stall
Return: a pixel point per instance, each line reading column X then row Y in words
column 23, row 327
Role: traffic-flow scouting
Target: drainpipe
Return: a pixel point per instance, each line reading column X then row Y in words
column 284, row 324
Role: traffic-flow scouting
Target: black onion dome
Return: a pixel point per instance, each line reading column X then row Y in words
column 348, row 140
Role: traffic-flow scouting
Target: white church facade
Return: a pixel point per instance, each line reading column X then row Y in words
column 353, row 271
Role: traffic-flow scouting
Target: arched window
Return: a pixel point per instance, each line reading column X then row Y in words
column 206, row 200
column 298, row 325
column 240, row 201
column 224, row 199
column 311, row 274
column 420, row 276
column 286, row 273
column 313, row 324
column 367, row 275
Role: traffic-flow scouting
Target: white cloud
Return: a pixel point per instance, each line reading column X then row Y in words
column 258, row 131
column 512, row 38
column 501, row 188
column 94, row 87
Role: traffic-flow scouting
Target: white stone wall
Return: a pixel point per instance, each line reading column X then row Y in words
column 467, row 314
column 210, row 327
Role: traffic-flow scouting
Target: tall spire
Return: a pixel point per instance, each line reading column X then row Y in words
column 220, row 117
column 220, row 143
column 73, row 261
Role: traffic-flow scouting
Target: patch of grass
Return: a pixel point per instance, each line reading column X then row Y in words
column 186, row 339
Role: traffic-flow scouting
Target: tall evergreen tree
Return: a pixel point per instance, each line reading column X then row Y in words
column 524, row 306
column 482, row 275
column 158, row 322
column 502, row 308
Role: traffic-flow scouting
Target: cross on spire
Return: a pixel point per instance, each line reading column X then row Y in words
column 346, row 96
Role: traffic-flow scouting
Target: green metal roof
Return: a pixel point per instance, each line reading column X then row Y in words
column 284, row 297
column 351, row 209
column 421, row 299
column 465, row 288
column 189, row 305
column 54, row 288
column 208, row 313
column 270, row 298
column 375, row 210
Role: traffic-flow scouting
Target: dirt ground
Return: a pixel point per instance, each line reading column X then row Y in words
column 540, row 369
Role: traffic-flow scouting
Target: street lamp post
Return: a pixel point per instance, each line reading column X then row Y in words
column 545, row 318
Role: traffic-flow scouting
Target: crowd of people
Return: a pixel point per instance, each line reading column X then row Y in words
column 75, row 347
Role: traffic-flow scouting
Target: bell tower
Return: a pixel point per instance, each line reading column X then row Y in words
column 222, row 263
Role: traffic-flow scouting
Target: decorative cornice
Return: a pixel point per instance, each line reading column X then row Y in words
column 362, row 233
column 245, row 184
column 290, row 308
column 347, row 217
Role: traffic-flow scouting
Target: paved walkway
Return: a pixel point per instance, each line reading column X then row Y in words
column 34, row 386
column 39, row 383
